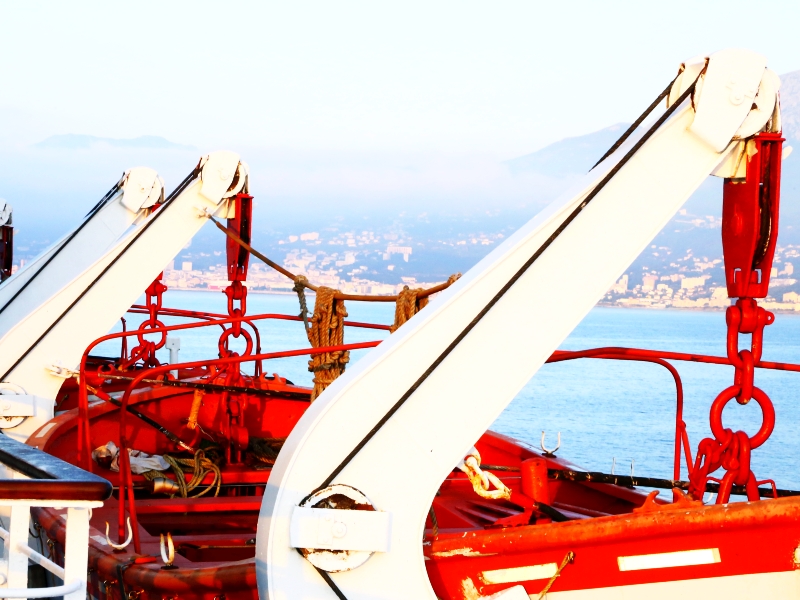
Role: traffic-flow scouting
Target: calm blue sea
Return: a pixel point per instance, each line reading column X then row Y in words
column 606, row 411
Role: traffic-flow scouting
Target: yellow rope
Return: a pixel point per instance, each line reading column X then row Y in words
column 327, row 329
column 567, row 560
column 200, row 467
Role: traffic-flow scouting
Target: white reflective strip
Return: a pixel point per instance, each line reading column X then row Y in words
column 515, row 574
column 44, row 430
column 685, row 558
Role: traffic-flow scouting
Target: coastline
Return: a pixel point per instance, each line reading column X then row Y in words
column 713, row 309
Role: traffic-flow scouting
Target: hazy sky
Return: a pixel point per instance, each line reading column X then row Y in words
column 502, row 78
column 373, row 107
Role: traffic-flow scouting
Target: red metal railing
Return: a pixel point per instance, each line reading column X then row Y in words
column 126, row 490
column 84, row 450
column 681, row 436
column 209, row 320
column 126, row 477
column 661, row 358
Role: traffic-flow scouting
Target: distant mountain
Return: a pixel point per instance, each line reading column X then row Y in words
column 696, row 229
column 80, row 142
column 576, row 155
column 570, row 156
column 446, row 225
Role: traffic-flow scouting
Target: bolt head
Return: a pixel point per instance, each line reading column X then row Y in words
column 339, row 529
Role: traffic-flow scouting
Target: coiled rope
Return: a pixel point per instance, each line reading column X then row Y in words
column 327, row 329
column 200, row 466
column 264, row 450
column 410, row 302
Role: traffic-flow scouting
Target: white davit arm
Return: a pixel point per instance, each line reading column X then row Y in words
column 397, row 423
column 38, row 352
column 127, row 203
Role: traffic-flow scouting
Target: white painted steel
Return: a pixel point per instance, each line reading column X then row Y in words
column 28, row 290
column 17, row 575
column 36, row 557
column 727, row 94
column 17, row 553
column 73, row 590
column 174, row 346
column 76, row 549
column 139, row 189
column 460, row 399
column 42, row 560
column 15, row 405
column 92, row 302
column 330, row 529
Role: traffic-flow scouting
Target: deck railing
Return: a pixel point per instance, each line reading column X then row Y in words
column 252, row 354
column 41, row 480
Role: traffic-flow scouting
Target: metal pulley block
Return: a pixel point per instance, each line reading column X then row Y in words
column 15, row 405
column 750, row 218
column 241, row 223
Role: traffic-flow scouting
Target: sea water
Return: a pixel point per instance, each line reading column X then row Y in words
column 608, row 412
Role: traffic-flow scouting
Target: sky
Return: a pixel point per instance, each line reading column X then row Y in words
column 447, row 76
column 361, row 101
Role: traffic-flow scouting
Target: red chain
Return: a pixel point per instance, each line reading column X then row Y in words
column 728, row 449
column 146, row 349
column 236, row 292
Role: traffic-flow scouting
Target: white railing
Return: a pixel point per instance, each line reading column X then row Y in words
column 41, row 480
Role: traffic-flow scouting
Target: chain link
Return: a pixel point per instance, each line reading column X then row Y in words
column 236, row 292
column 146, row 349
column 730, row 449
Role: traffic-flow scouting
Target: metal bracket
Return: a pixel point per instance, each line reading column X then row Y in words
column 331, row 529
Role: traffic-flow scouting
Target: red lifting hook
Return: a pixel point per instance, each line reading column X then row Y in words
column 749, row 234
